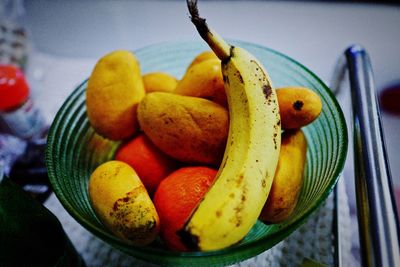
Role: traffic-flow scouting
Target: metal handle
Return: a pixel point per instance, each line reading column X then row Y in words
column 377, row 216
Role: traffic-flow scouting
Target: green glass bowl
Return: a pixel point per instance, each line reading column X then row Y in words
column 74, row 150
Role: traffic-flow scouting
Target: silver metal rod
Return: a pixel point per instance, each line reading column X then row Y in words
column 336, row 84
column 337, row 222
column 377, row 216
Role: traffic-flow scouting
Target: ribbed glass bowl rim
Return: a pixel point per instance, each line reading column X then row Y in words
column 262, row 242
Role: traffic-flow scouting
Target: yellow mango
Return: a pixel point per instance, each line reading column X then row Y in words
column 209, row 54
column 114, row 89
column 298, row 106
column 189, row 129
column 204, row 80
column 288, row 178
column 159, row 82
column 122, row 203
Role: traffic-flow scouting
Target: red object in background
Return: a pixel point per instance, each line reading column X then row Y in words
column 389, row 99
column 14, row 90
column 19, row 117
column 17, row 111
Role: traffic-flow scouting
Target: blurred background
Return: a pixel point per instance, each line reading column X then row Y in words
column 64, row 39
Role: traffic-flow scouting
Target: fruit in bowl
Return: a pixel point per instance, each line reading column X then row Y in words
column 76, row 149
column 170, row 136
column 114, row 90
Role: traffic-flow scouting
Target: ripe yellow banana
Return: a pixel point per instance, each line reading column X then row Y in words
column 232, row 205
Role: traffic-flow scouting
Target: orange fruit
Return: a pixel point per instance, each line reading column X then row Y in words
column 176, row 197
column 147, row 160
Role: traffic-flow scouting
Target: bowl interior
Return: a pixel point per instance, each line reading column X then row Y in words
column 74, row 150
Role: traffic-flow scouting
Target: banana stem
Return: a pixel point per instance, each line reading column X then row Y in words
column 216, row 43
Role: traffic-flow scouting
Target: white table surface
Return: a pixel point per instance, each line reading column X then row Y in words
column 69, row 36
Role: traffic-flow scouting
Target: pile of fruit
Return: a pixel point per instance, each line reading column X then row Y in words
column 203, row 157
column 174, row 135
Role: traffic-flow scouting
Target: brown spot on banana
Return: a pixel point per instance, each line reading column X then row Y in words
column 218, row 213
column 239, row 76
column 238, row 209
column 239, row 180
column 267, row 90
column 264, row 182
